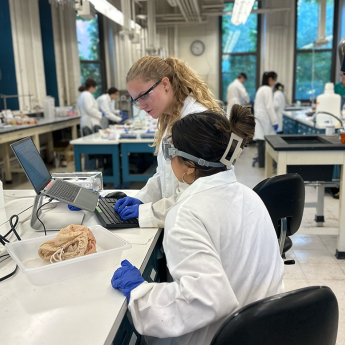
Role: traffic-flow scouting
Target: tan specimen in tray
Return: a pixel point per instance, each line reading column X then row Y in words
column 70, row 242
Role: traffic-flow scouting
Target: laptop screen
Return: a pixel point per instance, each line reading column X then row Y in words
column 32, row 163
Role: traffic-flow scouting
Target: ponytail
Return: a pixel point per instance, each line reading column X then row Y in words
column 266, row 76
column 206, row 135
column 89, row 82
column 184, row 83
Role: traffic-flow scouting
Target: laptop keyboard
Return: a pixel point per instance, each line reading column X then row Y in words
column 63, row 190
column 107, row 207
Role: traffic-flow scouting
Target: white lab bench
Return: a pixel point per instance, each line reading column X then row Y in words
column 82, row 310
column 94, row 144
column 298, row 122
column 11, row 134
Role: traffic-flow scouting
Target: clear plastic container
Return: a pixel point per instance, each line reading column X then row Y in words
column 109, row 134
column 90, row 179
column 40, row 272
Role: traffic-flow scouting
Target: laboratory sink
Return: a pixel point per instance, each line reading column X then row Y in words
column 304, row 140
column 321, row 142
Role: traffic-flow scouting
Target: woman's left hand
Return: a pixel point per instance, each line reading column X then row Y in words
column 126, row 278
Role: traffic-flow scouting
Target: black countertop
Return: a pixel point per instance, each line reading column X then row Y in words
column 314, row 142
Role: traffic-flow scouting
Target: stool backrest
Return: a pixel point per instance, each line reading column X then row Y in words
column 307, row 316
column 283, row 196
column 96, row 128
column 86, row 131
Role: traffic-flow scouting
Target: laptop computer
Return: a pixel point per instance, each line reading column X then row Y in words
column 43, row 183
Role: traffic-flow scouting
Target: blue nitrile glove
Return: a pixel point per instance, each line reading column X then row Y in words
column 275, row 127
column 123, row 113
column 124, row 118
column 124, row 202
column 130, row 212
column 75, row 208
column 126, row 278
column 103, row 114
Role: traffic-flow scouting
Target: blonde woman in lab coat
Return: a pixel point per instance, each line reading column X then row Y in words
column 167, row 90
column 220, row 243
column 265, row 116
column 88, row 107
column 279, row 102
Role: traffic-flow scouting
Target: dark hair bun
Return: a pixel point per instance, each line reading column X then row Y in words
column 82, row 88
column 242, row 123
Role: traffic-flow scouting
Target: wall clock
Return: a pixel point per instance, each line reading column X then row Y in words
column 197, row 48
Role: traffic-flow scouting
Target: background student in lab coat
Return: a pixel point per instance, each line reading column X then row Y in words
column 265, row 116
column 279, row 103
column 236, row 93
column 106, row 104
column 168, row 90
column 220, row 243
column 88, row 107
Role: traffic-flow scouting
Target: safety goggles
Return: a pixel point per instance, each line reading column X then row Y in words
column 142, row 98
column 169, row 152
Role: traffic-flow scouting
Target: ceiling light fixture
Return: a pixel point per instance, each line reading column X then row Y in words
column 241, row 11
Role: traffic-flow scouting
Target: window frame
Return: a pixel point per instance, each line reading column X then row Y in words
column 101, row 61
column 333, row 50
column 257, row 53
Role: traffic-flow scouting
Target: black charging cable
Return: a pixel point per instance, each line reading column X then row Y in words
column 50, row 200
column 4, row 240
column 13, row 223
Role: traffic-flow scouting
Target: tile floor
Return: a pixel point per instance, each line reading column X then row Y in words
column 313, row 254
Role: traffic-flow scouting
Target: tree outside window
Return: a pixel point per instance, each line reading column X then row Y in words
column 313, row 68
column 89, row 51
column 239, row 51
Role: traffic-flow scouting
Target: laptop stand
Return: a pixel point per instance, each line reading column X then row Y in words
column 55, row 219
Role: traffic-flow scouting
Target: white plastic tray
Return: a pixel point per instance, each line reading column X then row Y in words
column 40, row 272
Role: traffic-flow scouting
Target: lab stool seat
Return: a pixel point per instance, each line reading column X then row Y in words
column 307, row 316
column 284, row 197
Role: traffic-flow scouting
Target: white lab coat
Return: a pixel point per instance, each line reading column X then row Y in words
column 279, row 106
column 162, row 189
column 236, row 94
column 88, row 108
column 222, row 252
column 107, row 106
column 265, row 116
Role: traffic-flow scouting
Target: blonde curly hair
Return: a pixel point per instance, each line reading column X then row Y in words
column 184, row 83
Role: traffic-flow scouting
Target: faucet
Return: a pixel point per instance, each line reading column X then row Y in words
column 330, row 114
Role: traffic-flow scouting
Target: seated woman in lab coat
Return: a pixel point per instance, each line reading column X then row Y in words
column 167, row 89
column 279, row 103
column 106, row 104
column 219, row 240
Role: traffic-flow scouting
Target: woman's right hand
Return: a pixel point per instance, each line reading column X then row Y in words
column 124, row 202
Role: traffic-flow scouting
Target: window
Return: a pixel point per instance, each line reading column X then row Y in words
column 313, row 65
column 239, row 51
column 89, row 52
